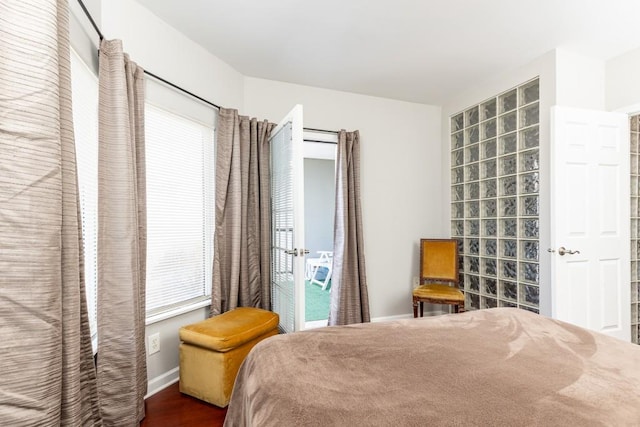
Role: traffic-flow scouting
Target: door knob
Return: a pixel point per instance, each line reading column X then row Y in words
column 562, row 250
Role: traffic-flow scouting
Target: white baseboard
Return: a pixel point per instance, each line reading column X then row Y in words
column 162, row 381
column 406, row 316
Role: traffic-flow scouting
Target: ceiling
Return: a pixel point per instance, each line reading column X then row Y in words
column 415, row 50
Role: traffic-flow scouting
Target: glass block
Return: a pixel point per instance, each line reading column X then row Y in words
column 508, row 101
column 473, row 135
column 457, row 228
column 489, row 188
column 529, row 161
column 508, row 186
column 529, row 183
column 633, row 123
column 457, row 175
column 530, row 228
column 634, row 312
column 486, row 302
column 472, row 283
column 489, row 286
column 508, row 122
column 509, row 206
column 472, row 190
column 473, row 227
column 508, row 165
column 530, row 250
column 457, row 210
column 490, row 247
column 489, row 208
column 530, row 138
column 634, row 142
column 457, row 122
column 488, row 149
column 472, row 116
column 634, row 270
column 489, row 267
column 473, row 265
column 509, row 269
column 489, row 129
column 530, row 206
column 472, row 301
column 457, row 158
column 488, row 169
column 531, row 309
column 460, row 246
column 508, row 143
column 530, row 115
column 530, row 272
column 529, row 295
column 634, row 292
column 457, row 140
column 508, row 248
column 472, row 172
column 508, row 227
column 473, row 209
column 530, row 92
column 634, row 334
column 490, row 227
column 508, row 290
column 472, row 153
column 457, row 193
column 507, row 304
column 473, row 246
column 488, row 109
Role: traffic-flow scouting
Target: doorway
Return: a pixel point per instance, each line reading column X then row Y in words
column 319, row 152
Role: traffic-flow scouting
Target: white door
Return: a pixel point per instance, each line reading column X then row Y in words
column 590, row 240
column 287, row 221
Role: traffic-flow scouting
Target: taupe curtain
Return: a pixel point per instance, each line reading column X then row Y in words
column 47, row 375
column 242, row 242
column 349, row 296
column 122, row 370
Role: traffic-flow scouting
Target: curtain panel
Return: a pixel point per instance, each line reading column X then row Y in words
column 122, row 370
column 242, row 239
column 349, row 295
column 48, row 376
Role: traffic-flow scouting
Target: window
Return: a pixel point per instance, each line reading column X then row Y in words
column 494, row 193
column 180, row 171
column 84, row 86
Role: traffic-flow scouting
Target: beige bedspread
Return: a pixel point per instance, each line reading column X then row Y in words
column 489, row 367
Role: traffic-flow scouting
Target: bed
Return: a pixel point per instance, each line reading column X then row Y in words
column 500, row 366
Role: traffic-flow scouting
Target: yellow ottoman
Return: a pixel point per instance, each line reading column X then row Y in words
column 212, row 351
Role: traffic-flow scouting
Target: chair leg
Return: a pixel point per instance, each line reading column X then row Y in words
column 415, row 308
column 421, row 309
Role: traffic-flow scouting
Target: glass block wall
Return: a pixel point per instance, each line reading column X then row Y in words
column 634, row 125
column 495, row 199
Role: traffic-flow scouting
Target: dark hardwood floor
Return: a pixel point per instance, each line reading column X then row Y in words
column 170, row 408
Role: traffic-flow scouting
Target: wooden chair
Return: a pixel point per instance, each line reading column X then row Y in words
column 438, row 270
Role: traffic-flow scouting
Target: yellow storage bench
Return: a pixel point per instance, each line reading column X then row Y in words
column 212, row 351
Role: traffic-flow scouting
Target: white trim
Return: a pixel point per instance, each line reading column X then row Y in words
column 406, row 316
column 163, row 381
column 150, row 320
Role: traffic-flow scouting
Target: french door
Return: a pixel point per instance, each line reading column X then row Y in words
column 287, row 221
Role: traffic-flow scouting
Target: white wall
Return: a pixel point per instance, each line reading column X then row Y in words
column 169, row 54
column 622, row 82
column 400, row 175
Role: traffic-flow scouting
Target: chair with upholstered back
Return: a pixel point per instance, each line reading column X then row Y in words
column 438, row 272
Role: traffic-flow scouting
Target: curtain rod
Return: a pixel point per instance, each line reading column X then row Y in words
column 149, row 73
column 173, row 85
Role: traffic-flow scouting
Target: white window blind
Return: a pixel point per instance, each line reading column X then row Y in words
column 85, row 122
column 180, row 163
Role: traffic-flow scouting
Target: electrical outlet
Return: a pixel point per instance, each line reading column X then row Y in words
column 416, row 281
column 154, row 343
